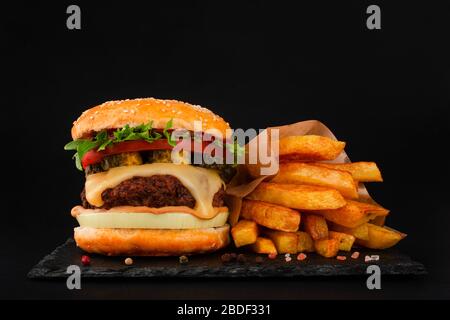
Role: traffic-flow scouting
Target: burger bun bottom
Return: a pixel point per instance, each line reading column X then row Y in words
column 151, row 242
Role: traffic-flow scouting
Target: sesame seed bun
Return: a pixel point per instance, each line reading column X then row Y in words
column 151, row 242
column 117, row 114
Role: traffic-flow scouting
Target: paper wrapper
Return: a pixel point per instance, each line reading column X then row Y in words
column 242, row 185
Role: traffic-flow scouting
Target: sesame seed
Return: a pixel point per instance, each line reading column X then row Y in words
column 128, row 261
column 355, row 255
column 341, row 258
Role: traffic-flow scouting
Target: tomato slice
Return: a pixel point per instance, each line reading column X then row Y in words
column 93, row 156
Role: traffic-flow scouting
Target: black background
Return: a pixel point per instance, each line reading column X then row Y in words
column 385, row 92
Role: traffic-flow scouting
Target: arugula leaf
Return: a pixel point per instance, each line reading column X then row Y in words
column 134, row 136
column 102, row 135
column 78, row 162
column 121, row 134
column 102, row 140
column 81, row 146
column 105, row 144
column 85, row 146
column 156, row 135
column 72, row 145
column 144, row 127
column 168, row 135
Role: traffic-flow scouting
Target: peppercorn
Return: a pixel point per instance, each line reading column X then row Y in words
column 241, row 258
column 259, row 259
column 85, row 260
column 183, row 259
column 226, row 257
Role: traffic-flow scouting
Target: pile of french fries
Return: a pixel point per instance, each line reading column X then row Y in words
column 311, row 205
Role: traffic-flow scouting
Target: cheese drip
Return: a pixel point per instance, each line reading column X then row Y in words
column 202, row 183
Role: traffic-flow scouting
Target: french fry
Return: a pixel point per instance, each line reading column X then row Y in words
column 270, row 215
column 360, row 171
column 345, row 240
column 379, row 221
column 309, row 148
column 263, row 245
column 315, row 226
column 285, row 242
column 303, row 173
column 305, row 242
column 359, row 232
column 381, row 237
column 353, row 213
column 298, row 196
column 244, row 232
column 327, row 247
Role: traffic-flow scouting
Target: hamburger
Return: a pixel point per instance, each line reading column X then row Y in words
column 141, row 198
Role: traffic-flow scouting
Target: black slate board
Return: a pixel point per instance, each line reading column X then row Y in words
column 55, row 265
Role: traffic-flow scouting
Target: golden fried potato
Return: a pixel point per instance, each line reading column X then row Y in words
column 327, row 247
column 305, row 242
column 309, row 148
column 263, row 245
column 381, row 237
column 271, row 215
column 315, row 226
column 360, row 171
column 303, row 173
column 244, row 232
column 345, row 240
column 285, row 242
column 353, row 213
column 298, row 196
column 359, row 232
column 378, row 221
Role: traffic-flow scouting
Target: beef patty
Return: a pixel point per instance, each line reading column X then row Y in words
column 156, row 191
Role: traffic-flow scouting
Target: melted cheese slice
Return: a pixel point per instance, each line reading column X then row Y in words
column 137, row 220
column 202, row 183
